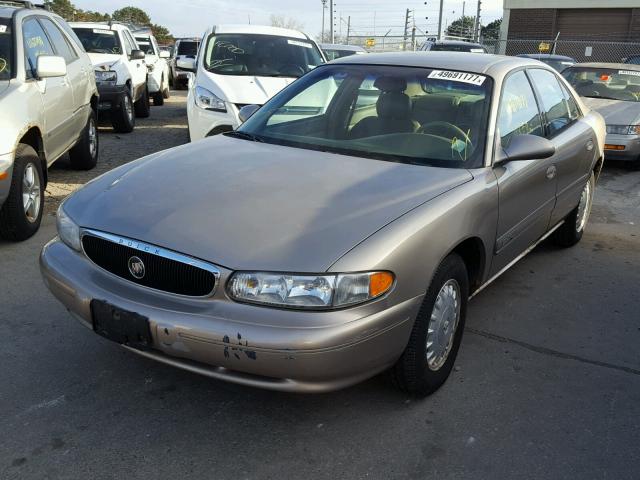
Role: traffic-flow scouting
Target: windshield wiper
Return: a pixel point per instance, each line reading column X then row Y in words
column 244, row 136
column 602, row 97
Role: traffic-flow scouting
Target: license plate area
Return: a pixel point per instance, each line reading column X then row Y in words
column 120, row 326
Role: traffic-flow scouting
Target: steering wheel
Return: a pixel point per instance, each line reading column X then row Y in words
column 292, row 69
column 449, row 128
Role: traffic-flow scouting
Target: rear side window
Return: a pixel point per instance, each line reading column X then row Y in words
column 36, row 43
column 65, row 26
column 6, row 49
column 519, row 112
column 60, row 42
column 187, row 48
column 554, row 103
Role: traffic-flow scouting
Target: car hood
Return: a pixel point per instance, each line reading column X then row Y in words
column 244, row 89
column 253, row 206
column 103, row 60
column 615, row 112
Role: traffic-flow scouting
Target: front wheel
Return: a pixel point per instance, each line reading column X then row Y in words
column 435, row 339
column 84, row 155
column 573, row 227
column 122, row 118
column 142, row 106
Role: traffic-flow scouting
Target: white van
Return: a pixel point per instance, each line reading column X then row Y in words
column 240, row 65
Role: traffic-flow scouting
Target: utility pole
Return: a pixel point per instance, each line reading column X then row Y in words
column 407, row 17
column 324, row 7
column 331, row 22
column 348, row 28
column 440, row 20
column 478, row 24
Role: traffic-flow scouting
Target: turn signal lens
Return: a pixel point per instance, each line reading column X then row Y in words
column 4, row 175
column 613, row 147
column 380, row 283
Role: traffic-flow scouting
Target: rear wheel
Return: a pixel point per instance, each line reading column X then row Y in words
column 21, row 214
column 84, row 155
column 573, row 227
column 142, row 106
column 123, row 118
column 437, row 332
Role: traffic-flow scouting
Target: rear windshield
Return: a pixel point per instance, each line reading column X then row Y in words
column 145, row 45
column 458, row 48
column 188, row 48
column 99, row 40
column 558, row 65
column 260, row 55
column 333, row 53
column 6, row 49
column 605, row 83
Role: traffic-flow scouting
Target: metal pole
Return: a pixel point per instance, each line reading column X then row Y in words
column 331, row 33
column 324, row 7
column 406, row 30
column 478, row 24
column 348, row 28
column 440, row 20
column 413, row 38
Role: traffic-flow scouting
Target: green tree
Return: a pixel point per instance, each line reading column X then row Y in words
column 462, row 27
column 64, row 8
column 492, row 30
column 162, row 34
column 132, row 15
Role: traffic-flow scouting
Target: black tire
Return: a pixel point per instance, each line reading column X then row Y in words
column 15, row 224
column 573, row 227
column 143, row 106
column 158, row 99
column 123, row 118
column 166, row 93
column 84, row 155
column 412, row 372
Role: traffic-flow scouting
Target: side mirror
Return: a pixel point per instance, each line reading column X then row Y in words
column 164, row 54
column 137, row 55
column 246, row 112
column 188, row 64
column 49, row 66
column 526, row 147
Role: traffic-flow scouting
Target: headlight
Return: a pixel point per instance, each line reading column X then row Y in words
column 308, row 291
column 207, row 100
column 106, row 76
column 623, row 129
column 68, row 231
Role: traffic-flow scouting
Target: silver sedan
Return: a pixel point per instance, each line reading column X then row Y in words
column 341, row 230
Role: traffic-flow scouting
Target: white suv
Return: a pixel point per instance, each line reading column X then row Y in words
column 120, row 69
column 48, row 102
column 157, row 67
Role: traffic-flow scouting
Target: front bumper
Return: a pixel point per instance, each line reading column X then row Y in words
column 246, row 344
column 630, row 152
column 6, row 172
column 111, row 95
column 205, row 123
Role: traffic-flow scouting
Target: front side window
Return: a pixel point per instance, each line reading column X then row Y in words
column 6, row 49
column 605, row 83
column 145, row 45
column 99, row 40
column 189, row 48
column 260, row 55
column 554, row 104
column 60, row 42
column 518, row 114
column 36, row 43
column 403, row 114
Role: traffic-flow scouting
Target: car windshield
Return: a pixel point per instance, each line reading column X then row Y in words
column 145, row 45
column 99, row 40
column 6, row 49
column 605, row 83
column 260, row 55
column 457, row 48
column 403, row 114
column 189, row 48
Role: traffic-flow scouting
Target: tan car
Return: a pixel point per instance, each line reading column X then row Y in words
column 341, row 230
column 48, row 101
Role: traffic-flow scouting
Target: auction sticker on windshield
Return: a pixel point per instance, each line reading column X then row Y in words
column 299, row 44
column 472, row 78
column 628, row 72
column 3, row 28
column 102, row 31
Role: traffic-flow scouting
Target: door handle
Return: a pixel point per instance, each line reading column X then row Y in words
column 590, row 145
column 551, row 172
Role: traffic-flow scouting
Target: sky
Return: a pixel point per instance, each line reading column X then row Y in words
column 192, row 17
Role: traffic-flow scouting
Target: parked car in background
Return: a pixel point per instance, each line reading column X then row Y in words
column 120, row 71
column 184, row 50
column 559, row 62
column 613, row 89
column 333, row 50
column 48, row 101
column 157, row 67
column 634, row 59
column 328, row 239
column 241, row 65
column 452, row 46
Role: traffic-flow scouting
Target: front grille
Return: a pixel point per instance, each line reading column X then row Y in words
column 163, row 270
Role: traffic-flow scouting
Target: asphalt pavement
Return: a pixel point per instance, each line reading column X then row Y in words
column 547, row 382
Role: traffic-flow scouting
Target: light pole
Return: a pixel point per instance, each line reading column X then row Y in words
column 324, row 7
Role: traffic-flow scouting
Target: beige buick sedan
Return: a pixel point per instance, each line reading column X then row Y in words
column 341, row 230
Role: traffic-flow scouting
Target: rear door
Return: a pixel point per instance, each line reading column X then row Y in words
column 138, row 67
column 526, row 188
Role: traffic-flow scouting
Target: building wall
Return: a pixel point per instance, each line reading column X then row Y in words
column 517, row 4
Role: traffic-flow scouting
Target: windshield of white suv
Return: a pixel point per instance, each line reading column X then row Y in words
column 99, row 40
column 403, row 114
column 145, row 45
column 606, row 83
column 189, row 48
column 6, row 49
column 260, row 55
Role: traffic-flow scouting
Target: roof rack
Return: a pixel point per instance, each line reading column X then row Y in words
column 26, row 4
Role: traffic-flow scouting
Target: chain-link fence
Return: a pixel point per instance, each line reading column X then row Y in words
column 580, row 50
column 388, row 43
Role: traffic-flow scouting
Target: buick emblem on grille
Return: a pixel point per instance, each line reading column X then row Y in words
column 136, row 268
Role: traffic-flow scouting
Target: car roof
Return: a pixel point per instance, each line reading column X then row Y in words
column 457, row 42
column 338, row 46
column 463, row 61
column 620, row 66
column 102, row 25
column 259, row 30
column 545, row 56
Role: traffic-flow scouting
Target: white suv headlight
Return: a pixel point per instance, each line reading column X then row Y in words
column 308, row 291
column 103, row 76
column 68, row 231
column 207, row 100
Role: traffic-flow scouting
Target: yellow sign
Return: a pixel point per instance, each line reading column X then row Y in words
column 370, row 42
column 544, row 47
